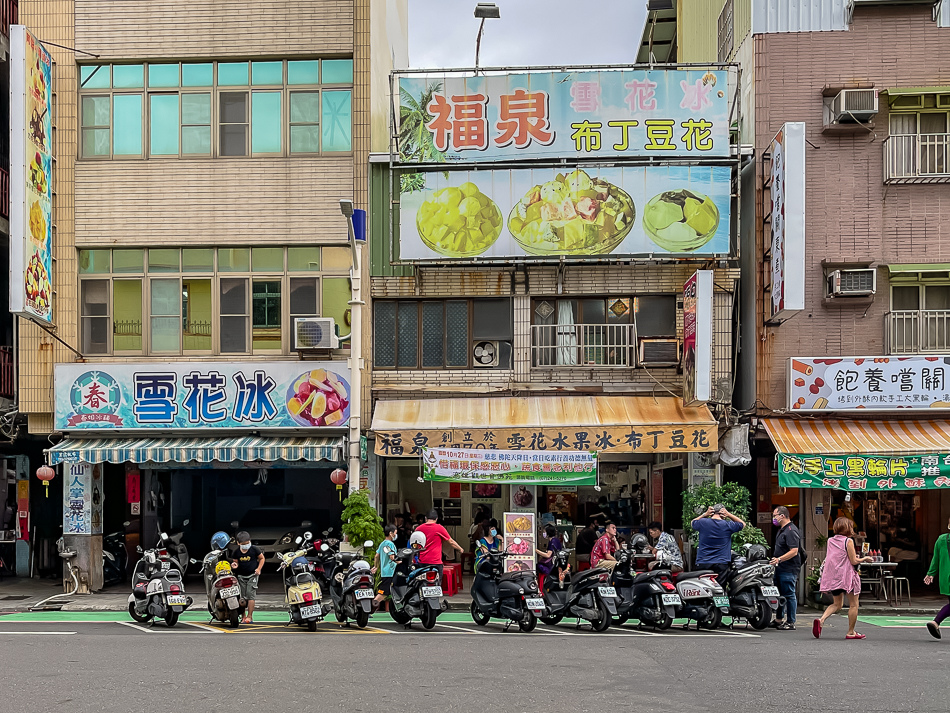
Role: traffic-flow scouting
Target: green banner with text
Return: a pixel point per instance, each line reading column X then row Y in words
column 461, row 465
column 865, row 472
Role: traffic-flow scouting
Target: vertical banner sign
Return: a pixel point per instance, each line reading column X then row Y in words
column 656, row 487
column 77, row 499
column 788, row 221
column 697, row 337
column 133, row 491
column 31, row 190
column 519, row 525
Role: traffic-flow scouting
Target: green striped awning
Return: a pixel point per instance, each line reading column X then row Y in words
column 200, row 450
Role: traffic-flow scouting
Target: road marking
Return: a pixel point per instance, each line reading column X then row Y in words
column 205, row 629
column 36, row 633
column 138, row 627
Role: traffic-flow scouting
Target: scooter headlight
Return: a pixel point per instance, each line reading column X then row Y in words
column 287, row 539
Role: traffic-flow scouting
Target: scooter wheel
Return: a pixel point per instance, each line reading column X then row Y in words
column 478, row 617
column 601, row 623
column 362, row 619
column 141, row 618
column 664, row 622
column 235, row 618
column 762, row 618
column 713, row 620
column 340, row 616
column 171, row 619
column 399, row 617
column 312, row 625
column 529, row 622
column 552, row 620
column 428, row 618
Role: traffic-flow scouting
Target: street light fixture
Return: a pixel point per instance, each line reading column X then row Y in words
column 356, row 348
column 484, row 10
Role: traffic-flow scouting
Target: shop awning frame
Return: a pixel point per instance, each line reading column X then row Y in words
column 190, row 449
column 840, row 437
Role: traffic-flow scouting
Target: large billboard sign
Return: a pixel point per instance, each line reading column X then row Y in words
column 31, row 185
column 788, row 222
column 617, row 113
column 512, row 213
column 201, row 395
column 697, row 337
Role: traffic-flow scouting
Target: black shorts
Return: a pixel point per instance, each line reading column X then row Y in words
column 385, row 586
column 836, row 592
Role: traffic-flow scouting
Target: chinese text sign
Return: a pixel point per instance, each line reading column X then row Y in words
column 697, row 337
column 82, row 499
column 787, row 221
column 865, row 472
column 516, row 467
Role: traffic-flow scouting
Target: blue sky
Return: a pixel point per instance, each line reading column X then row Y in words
column 529, row 32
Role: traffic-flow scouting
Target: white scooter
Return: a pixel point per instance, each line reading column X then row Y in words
column 157, row 588
column 703, row 599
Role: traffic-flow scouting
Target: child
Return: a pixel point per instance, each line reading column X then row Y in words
column 385, row 562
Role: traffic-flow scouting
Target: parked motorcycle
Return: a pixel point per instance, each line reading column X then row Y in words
column 703, row 599
column 302, row 593
column 171, row 543
column 115, row 558
column 351, row 586
column 585, row 595
column 750, row 587
column 649, row 597
column 157, row 588
column 512, row 596
column 416, row 591
column 225, row 602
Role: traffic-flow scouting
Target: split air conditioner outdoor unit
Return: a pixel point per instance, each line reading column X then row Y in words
column 315, row 333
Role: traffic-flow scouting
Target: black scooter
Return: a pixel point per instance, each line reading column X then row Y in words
column 513, row 596
column 416, row 591
column 649, row 597
column 351, row 587
column 115, row 558
column 749, row 584
column 585, row 595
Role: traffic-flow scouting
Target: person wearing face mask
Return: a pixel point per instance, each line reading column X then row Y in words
column 546, row 557
column 491, row 542
column 247, row 565
column 788, row 563
column 940, row 570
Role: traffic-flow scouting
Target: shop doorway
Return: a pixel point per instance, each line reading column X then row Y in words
column 673, row 485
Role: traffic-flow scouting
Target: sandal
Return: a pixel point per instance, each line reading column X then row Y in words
column 246, row 620
column 816, row 628
column 855, row 636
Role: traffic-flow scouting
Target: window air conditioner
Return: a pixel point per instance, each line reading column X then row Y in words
column 313, row 333
column 854, row 105
column 659, row 352
column 485, row 354
column 852, row 283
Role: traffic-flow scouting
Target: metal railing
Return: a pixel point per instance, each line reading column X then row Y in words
column 917, row 158
column 7, row 374
column 560, row 346
column 918, row 331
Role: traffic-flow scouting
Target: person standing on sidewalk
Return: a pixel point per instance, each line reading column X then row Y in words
column 940, row 569
column 435, row 534
column 839, row 576
column 715, row 528
column 248, row 563
column 385, row 563
column 788, row 564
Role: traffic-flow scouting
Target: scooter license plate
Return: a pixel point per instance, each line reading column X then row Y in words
column 770, row 591
column 364, row 594
column 428, row 592
column 177, row 600
column 607, row 591
column 721, row 601
column 672, row 600
column 230, row 592
column 310, row 611
column 534, row 604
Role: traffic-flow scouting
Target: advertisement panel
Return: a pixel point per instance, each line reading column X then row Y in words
column 873, row 383
column 31, row 181
column 616, row 113
column 82, row 499
column 865, row 472
column 517, row 213
column 515, row 467
column 787, row 216
column 697, row 337
column 520, row 525
column 201, row 395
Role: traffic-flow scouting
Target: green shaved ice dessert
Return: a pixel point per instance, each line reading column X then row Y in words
column 459, row 222
column 680, row 221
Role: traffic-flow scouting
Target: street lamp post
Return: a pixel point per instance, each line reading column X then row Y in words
column 483, row 10
column 356, row 348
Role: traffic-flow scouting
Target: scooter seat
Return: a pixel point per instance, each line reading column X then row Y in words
column 691, row 575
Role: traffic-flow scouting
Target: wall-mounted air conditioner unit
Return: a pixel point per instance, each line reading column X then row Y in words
column 854, row 105
column 659, row 352
column 852, row 283
column 315, row 333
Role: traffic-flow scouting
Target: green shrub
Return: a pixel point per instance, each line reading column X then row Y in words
column 737, row 500
column 361, row 522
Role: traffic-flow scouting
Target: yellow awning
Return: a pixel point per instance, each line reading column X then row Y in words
column 871, row 437
column 619, row 424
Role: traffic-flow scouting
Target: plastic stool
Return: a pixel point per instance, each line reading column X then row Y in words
column 448, row 583
column 468, row 557
column 901, row 587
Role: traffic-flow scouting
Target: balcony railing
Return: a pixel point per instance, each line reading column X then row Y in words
column 917, row 158
column 918, row 331
column 559, row 346
column 9, row 15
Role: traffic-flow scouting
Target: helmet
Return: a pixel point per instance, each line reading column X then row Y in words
column 417, row 538
column 300, row 564
column 222, row 568
column 220, row 540
column 639, row 543
column 756, row 553
column 360, row 564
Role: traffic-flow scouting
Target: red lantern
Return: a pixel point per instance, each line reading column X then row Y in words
column 46, row 474
column 338, row 477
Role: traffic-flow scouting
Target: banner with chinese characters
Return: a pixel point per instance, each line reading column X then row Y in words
column 865, row 472
column 787, row 193
column 82, row 499
column 697, row 337
column 189, row 395
column 520, row 468
column 661, row 438
column 875, row 383
column 498, row 214
column 628, row 113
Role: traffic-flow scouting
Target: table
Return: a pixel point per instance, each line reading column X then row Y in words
column 877, row 583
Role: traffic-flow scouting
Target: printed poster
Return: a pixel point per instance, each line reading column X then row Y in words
column 520, row 525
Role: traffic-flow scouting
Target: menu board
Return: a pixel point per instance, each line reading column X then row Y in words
column 520, row 525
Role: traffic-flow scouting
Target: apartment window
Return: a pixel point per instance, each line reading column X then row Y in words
column 919, row 141
column 205, row 300
column 226, row 109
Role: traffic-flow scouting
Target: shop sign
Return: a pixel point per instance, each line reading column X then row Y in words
column 31, row 181
column 516, row 467
column 201, row 395
column 615, row 113
column 697, row 338
column 875, row 383
column 865, row 472
column 787, row 221
column 82, row 499
column 683, row 438
column 498, row 214
column 519, row 525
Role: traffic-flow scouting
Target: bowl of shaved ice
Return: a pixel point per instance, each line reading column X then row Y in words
column 459, row 222
column 680, row 221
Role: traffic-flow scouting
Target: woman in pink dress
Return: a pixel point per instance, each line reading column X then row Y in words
column 839, row 577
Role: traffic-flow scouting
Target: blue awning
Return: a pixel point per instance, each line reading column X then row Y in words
column 200, row 450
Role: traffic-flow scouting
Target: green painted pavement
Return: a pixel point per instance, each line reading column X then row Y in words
column 200, row 617
column 895, row 621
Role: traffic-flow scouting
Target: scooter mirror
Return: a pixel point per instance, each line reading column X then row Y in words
column 308, row 535
column 368, row 543
column 163, row 535
column 298, row 540
column 193, row 560
column 324, row 547
column 138, row 548
column 126, row 523
column 184, row 523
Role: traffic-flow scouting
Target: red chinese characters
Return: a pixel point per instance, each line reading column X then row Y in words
column 523, row 118
column 463, row 120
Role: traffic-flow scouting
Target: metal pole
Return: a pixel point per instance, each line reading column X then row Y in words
column 478, row 42
column 356, row 358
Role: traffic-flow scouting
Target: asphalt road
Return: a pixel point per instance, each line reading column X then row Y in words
column 105, row 663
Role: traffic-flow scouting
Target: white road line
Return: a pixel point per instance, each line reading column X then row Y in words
column 36, row 633
column 138, row 627
column 205, row 629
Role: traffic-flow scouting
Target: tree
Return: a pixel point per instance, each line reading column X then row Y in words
column 361, row 522
column 415, row 140
column 737, row 500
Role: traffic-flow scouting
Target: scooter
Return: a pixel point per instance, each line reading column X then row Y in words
column 512, row 596
column 703, row 599
column 649, row 597
column 115, row 558
column 157, row 589
column 171, row 543
column 585, row 595
column 302, row 593
column 225, row 602
column 416, row 591
column 351, row 587
column 752, row 593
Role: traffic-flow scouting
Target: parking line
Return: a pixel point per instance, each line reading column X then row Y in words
column 36, row 633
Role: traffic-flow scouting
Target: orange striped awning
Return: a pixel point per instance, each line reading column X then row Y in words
column 871, row 437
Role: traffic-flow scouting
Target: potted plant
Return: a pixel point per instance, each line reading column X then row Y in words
column 737, row 500
column 361, row 523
